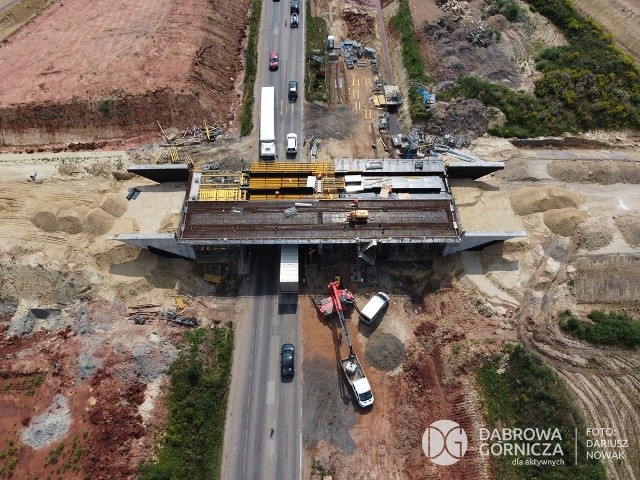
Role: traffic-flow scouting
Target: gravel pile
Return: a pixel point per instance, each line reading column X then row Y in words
column 50, row 426
column 384, row 351
column 82, row 323
column 87, row 366
column 33, row 320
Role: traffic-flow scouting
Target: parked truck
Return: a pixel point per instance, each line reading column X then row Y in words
column 267, row 123
column 358, row 380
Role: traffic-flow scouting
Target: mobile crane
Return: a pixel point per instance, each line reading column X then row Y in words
column 340, row 301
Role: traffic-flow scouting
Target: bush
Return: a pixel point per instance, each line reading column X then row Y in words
column 197, row 398
column 529, row 395
column 251, row 68
column 316, row 38
column 617, row 329
column 588, row 84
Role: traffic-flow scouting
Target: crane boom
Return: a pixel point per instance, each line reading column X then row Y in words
column 337, row 303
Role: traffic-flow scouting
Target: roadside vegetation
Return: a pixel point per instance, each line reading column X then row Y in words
column 315, row 71
column 197, row 402
column 250, row 68
column 525, row 393
column 616, row 329
column 403, row 25
column 587, row 84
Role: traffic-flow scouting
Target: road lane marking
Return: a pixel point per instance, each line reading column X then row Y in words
column 271, row 392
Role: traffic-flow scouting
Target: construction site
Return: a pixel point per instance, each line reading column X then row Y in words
column 133, row 211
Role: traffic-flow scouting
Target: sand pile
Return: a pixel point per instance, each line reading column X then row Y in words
column 594, row 234
column 70, row 220
column 604, row 172
column 169, row 223
column 564, row 221
column 118, row 254
column 97, row 222
column 384, row 351
column 540, row 199
column 629, row 226
column 114, row 204
column 46, row 219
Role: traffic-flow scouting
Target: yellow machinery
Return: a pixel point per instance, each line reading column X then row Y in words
column 358, row 216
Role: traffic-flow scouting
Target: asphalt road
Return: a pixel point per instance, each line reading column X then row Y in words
column 259, row 399
column 289, row 43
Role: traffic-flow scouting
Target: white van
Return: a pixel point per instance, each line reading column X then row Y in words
column 374, row 307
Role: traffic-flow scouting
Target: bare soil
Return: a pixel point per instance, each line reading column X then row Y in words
column 111, row 70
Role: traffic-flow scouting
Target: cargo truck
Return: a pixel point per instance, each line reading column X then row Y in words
column 267, row 123
column 358, row 380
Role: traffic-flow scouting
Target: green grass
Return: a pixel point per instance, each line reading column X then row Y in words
column 9, row 459
column 197, row 399
column 251, row 68
column 529, row 395
column 587, row 84
column 402, row 24
column 315, row 73
column 617, row 329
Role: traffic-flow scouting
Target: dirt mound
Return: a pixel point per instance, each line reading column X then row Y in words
column 540, row 199
column 604, row 172
column 114, row 204
column 463, row 117
column 118, row 254
column 564, row 221
column 49, row 426
column 384, row 351
column 70, row 221
column 169, row 223
column 97, row 222
column 629, row 226
column 360, row 25
column 593, row 235
column 46, row 220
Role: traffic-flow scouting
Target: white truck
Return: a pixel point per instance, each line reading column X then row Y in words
column 267, row 123
column 358, row 380
column 374, row 307
column 289, row 266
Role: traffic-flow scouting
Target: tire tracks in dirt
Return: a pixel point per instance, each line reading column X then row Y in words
column 605, row 380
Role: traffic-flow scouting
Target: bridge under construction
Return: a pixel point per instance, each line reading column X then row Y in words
column 406, row 201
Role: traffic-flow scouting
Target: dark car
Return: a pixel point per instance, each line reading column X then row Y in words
column 295, row 6
column 274, row 60
column 294, row 20
column 293, row 90
column 287, row 353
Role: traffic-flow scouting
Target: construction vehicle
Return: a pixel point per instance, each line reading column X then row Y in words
column 374, row 308
column 340, row 301
column 358, row 216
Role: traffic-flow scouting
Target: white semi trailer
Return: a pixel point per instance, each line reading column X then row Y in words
column 268, row 123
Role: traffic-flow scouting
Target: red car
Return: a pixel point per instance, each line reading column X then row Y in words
column 273, row 61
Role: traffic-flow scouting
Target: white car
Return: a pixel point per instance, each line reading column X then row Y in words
column 292, row 144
